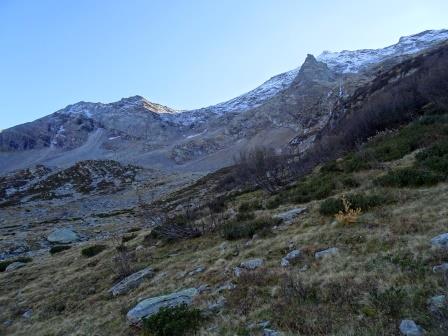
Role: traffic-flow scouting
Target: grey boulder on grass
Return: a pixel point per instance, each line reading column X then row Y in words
column 132, row 281
column 62, row 236
column 151, row 306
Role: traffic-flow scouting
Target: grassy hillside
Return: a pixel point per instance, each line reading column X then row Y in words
column 391, row 195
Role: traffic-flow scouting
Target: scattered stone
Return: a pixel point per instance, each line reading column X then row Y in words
column 237, row 271
column 27, row 314
column 289, row 215
column 216, row 305
column 139, row 248
column 203, row 288
column 248, row 265
column 291, row 256
column 151, row 306
column 440, row 241
column 442, row 268
column 270, row 332
column 132, row 281
column 62, row 236
column 199, row 269
column 7, row 323
column 326, row 253
column 438, row 302
column 226, row 286
column 410, row 328
column 15, row 265
column 252, row 264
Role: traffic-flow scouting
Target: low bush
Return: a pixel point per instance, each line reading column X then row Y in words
column 273, row 202
column 93, row 250
column 59, row 248
column 332, row 206
column 5, row 263
column 435, row 158
column 127, row 238
column 244, row 216
column 313, row 188
column 250, row 206
column 390, row 301
column 409, row 177
column 173, row 321
column 237, row 230
column 134, row 229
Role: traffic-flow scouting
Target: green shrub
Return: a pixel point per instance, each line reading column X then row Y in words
column 5, row 263
column 314, row 188
column 273, row 203
column 134, row 229
column 93, row 250
column 127, row 238
column 331, row 167
column 409, row 177
column 332, row 206
column 250, row 206
column 59, row 248
column 349, row 182
column 237, row 230
column 355, row 162
column 435, row 157
column 390, row 301
column 173, row 321
column 244, row 216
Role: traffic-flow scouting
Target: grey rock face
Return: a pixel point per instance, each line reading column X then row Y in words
column 410, row 328
column 291, row 256
column 326, row 253
column 62, row 236
column 131, row 282
column 15, row 265
column 151, row 306
column 289, row 215
column 442, row 268
column 440, row 241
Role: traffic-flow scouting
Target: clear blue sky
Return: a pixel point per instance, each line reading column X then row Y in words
column 184, row 54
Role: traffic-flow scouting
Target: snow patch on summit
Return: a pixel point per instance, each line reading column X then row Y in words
column 348, row 61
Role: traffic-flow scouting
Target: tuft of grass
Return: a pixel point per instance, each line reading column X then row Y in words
column 234, row 230
column 173, row 321
column 127, row 238
column 93, row 250
column 59, row 248
column 313, row 188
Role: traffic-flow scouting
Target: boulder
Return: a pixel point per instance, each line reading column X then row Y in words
column 132, row 281
column 15, row 265
column 410, row 328
column 252, row 264
column 151, row 306
column 291, row 256
column 288, row 216
column 62, row 236
column 440, row 241
column 438, row 302
column 326, row 253
column 442, row 268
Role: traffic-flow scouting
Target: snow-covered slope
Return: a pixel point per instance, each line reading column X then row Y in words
column 348, row 61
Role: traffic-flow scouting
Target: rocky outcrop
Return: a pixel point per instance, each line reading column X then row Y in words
column 410, row 328
column 62, row 236
column 132, row 281
column 248, row 265
column 288, row 216
column 290, row 257
column 151, row 306
column 440, row 241
column 332, row 251
column 15, row 265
